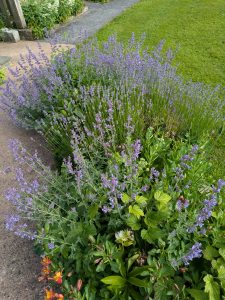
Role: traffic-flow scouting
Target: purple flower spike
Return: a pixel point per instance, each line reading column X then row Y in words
column 194, row 252
column 137, row 149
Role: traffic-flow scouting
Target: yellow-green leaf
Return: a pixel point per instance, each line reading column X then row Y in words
column 133, row 223
column 141, row 199
column 212, row 287
column 210, row 252
column 222, row 252
column 136, row 210
column 162, row 197
column 114, row 280
column 125, row 198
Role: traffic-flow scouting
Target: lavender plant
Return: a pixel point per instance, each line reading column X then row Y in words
column 78, row 83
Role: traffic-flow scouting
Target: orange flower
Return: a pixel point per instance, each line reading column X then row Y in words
column 59, row 296
column 49, row 294
column 58, row 277
column 45, row 271
column 46, row 261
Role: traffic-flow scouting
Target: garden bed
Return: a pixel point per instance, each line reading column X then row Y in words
column 134, row 210
column 42, row 16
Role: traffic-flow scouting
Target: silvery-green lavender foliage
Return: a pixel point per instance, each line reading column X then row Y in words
column 133, row 79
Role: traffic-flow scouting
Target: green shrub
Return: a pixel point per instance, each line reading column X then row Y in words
column 145, row 225
column 43, row 15
column 2, row 24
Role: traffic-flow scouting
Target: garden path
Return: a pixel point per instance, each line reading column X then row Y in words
column 92, row 20
column 19, row 266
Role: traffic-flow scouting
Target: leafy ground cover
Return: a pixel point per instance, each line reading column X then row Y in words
column 134, row 210
column 195, row 28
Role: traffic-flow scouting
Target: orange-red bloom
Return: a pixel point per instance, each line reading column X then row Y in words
column 45, row 271
column 58, row 277
column 49, row 294
column 59, row 296
column 46, row 261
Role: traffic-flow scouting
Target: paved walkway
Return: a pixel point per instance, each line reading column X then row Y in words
column 20, row 267
column 92, row 20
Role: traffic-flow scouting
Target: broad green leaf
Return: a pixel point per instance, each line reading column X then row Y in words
column 47, row 227
column 153, row 218
column 122, row 268
column 212, row 287
column 151, row 234
column 135, row 295
column 210, row 252
column 131, row 260
column 222, row 252
column 221, row 275
column 139, row 282
column 125, row 198
column 141, row 199
column 136, row 210
column 114, row 280
column 138, row 270
column 166, row 271
column 132, row 222
column 198, row 294
column 216, row 263
column 92, row 211
column 162, row 197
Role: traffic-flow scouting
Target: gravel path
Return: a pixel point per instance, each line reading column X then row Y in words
column 20, row 267
column 92, row 20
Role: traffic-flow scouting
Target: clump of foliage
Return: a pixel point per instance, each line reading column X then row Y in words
column 133, row 211
column 2, row 76
column 79, row 82
column 2, row 23
column 43, row 15
column 143, row 222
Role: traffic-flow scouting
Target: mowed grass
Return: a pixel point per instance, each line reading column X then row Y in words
column 195, row 28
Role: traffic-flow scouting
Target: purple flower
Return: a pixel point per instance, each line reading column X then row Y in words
column 195, row 252
column 11, row 222
column 136, row 149
column 145, row 188
column 106, row 209
column 154, row 174
column 187, row 158
column 194, row 149
column 51, row 246
column 182, row 204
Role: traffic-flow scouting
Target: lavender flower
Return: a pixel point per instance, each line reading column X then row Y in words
column 51, row 246
column 195, row 252
column 154, row 174
column 106, row 209
column 136, row 149
column 182, row 204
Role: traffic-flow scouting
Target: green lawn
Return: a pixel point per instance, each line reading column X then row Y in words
column 196, row 27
